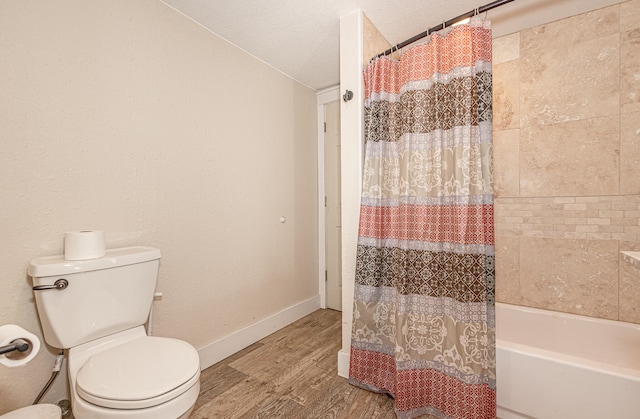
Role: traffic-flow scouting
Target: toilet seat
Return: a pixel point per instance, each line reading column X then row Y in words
column 139, row 373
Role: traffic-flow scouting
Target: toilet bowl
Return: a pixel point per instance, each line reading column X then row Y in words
column 97, row 309
column 133, row 375
column 37, row 411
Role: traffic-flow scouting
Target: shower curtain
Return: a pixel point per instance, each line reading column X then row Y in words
column 423, row 323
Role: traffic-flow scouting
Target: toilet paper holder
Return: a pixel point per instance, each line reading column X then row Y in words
column 19, row 345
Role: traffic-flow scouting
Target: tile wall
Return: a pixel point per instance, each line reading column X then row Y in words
column 567, row 164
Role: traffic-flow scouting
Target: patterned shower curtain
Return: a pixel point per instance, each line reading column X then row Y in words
column 424, row 323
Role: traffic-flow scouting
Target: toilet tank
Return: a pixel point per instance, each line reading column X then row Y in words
column 104, row 295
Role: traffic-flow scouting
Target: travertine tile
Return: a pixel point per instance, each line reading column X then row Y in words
column 629, row 15
column 506, row 48
column 506, row 96
column 630, row 70
column 579, row 141
column 373, row 41
column 506, row 163
column 574, row 276
column 630, row 153
column 508, row 269
column 629, row 286
column 566, row 33
column 560, row 84
column 570, row 159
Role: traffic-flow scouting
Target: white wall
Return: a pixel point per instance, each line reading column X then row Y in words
column 351, row 146
column 126, row 116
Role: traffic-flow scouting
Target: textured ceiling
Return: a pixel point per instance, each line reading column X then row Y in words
column 301, row 38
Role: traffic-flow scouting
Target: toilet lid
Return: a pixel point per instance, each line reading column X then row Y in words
column 140, row 373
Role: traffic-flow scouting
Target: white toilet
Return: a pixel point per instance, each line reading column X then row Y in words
column 97, row 309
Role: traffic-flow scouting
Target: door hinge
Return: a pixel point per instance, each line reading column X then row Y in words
column 325, row 127
column 326, row 276
column 325, row 202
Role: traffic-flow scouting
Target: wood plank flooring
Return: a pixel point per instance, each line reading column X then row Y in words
column 289, row 374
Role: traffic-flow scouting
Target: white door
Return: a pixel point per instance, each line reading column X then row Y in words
column 333, row 229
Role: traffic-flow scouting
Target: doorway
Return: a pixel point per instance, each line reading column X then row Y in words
column 329, row 199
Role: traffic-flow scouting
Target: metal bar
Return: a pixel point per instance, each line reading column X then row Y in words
column 443, row 25
column 16, row 345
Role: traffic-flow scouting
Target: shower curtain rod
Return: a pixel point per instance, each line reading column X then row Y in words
column 443, row 25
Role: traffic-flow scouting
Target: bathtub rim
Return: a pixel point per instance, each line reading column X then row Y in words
column 582, row 317
column 572, row 360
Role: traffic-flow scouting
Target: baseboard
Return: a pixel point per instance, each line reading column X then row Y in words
column 504, row 413
column 343, row 363
column 229, row 345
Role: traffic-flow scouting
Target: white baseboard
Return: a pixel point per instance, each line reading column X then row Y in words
column 229, row 345
column 343, row 363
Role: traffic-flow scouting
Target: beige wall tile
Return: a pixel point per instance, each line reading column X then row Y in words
column 508, row 269
column 629, row 286
column 570, row 159
column 630, row 70
column 630, row 153
column 562, row 83
column 576, row 128
column 373, row 43
column 629, row 15
column 574, row 276
column 506, row 48
column 506, row 163
column 565, row 33
column 506, row 95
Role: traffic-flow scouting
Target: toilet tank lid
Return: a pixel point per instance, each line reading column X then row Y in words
column 58, row 265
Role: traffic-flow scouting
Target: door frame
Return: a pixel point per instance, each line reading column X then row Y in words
column 323, row 97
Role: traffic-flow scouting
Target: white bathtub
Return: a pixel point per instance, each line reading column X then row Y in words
column 561, row 366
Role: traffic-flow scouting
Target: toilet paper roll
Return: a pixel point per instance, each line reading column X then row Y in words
column 84, row 244
column 11, row 332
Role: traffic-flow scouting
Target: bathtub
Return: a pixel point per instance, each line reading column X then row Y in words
column 554, row 365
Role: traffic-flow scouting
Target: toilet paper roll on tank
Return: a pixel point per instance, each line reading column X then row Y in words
column 84, row 244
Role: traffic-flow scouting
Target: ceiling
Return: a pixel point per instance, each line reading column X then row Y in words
column 301, row 38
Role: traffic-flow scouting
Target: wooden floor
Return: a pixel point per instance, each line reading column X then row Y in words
column 290, row 374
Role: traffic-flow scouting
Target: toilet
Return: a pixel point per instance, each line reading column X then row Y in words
column 97, row 309
column 39, row 411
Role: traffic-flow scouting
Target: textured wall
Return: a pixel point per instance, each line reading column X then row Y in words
column 128, row 117
column 566, row 156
